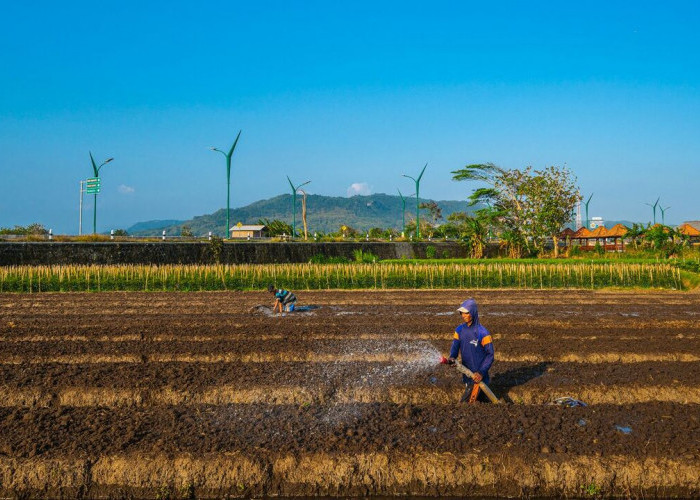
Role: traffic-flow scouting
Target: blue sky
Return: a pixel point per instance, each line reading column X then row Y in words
column 343, row 94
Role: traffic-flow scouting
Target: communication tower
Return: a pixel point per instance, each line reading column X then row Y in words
column 579, row 221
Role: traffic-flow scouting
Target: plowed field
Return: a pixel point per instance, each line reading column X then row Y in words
column 209, row 395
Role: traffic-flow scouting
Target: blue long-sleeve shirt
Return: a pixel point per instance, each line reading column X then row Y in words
column 285, row 296
column 475, row 345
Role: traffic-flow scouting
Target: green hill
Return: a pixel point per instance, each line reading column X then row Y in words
column 324, row 214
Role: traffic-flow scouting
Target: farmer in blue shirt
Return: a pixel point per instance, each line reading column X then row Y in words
column 474, row 343
column 284, row 299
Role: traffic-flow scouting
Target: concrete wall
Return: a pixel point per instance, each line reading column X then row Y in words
column 43, row 253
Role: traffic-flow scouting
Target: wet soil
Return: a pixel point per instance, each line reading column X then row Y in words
column 209, row 394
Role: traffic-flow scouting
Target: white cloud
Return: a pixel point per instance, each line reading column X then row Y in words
column 359, row 188
column 124, row 189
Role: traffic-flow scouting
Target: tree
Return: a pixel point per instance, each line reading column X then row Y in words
column 276, row 227
column 376, row 232
column 552, row 196
column 186, row 231
column 477, row 233
column 348, row 231
column 34, row 229
column 433, row 209
column 454, row 227
column 505, row 195
column 634, row 233
column 658, row 235
column 524, row 206
column 425, row 227
column 435, row 215
column 473, row 229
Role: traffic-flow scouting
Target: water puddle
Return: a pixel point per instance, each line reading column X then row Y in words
column 624, row 429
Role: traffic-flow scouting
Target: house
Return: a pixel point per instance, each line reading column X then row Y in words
column 246, row 232
column 586, row 239
column 690, row 229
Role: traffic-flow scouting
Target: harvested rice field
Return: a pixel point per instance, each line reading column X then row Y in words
column 208, row 394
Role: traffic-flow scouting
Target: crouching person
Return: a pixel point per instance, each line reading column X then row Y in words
column 284, row 299
column 473, row 342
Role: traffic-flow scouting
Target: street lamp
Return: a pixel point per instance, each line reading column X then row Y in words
column 587, row 202
column 403, row 212
column 294, row 205
column 653, row 207
column 663, row 214
column 96, row 171
column 417, row 181
column 228, row 179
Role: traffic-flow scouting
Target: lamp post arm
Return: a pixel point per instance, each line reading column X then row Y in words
column 94, row 165
column 422, row 172
column 233, row 147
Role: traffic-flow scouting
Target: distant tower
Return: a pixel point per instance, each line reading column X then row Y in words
column 579, row 221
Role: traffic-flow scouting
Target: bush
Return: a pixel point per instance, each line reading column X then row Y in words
column 376, row 232
column 216, row 246
column 324, row 259
column 430, row 252
column 365, row 257
column 575, row 251
column 35, row 229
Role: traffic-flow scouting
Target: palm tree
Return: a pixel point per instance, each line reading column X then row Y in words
column 477, row 232
column 634, row 233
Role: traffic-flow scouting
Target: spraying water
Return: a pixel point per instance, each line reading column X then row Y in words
column 414, row 360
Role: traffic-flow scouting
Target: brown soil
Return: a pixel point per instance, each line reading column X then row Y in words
column 207, row 394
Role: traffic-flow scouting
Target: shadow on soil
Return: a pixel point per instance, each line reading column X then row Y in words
column 502, row 383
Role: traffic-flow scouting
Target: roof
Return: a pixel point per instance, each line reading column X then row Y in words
column 688, row 230
column 567, row 233
column 247, row 228
column 582, row 232
column 599, row 232
column 617, row 231
column 693, row 223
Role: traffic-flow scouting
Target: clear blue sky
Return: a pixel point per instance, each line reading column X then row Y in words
column 341, row 93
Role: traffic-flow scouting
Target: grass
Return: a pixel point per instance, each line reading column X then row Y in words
column 536, row 274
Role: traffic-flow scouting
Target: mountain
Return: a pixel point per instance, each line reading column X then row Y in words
column 152, row 225
column 324, row 214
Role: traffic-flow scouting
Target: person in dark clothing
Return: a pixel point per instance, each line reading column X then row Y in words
column 284, row 299
column 473, row 342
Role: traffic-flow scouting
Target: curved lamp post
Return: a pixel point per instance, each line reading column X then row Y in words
column 663, row 214
column 587, row 219
column 653, row 207
column 294, row 205
column 403, row 212
column 96, row 171
column 417, row 181
column 228, row 179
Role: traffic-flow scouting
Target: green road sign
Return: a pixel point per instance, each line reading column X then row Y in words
column 92, row 185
